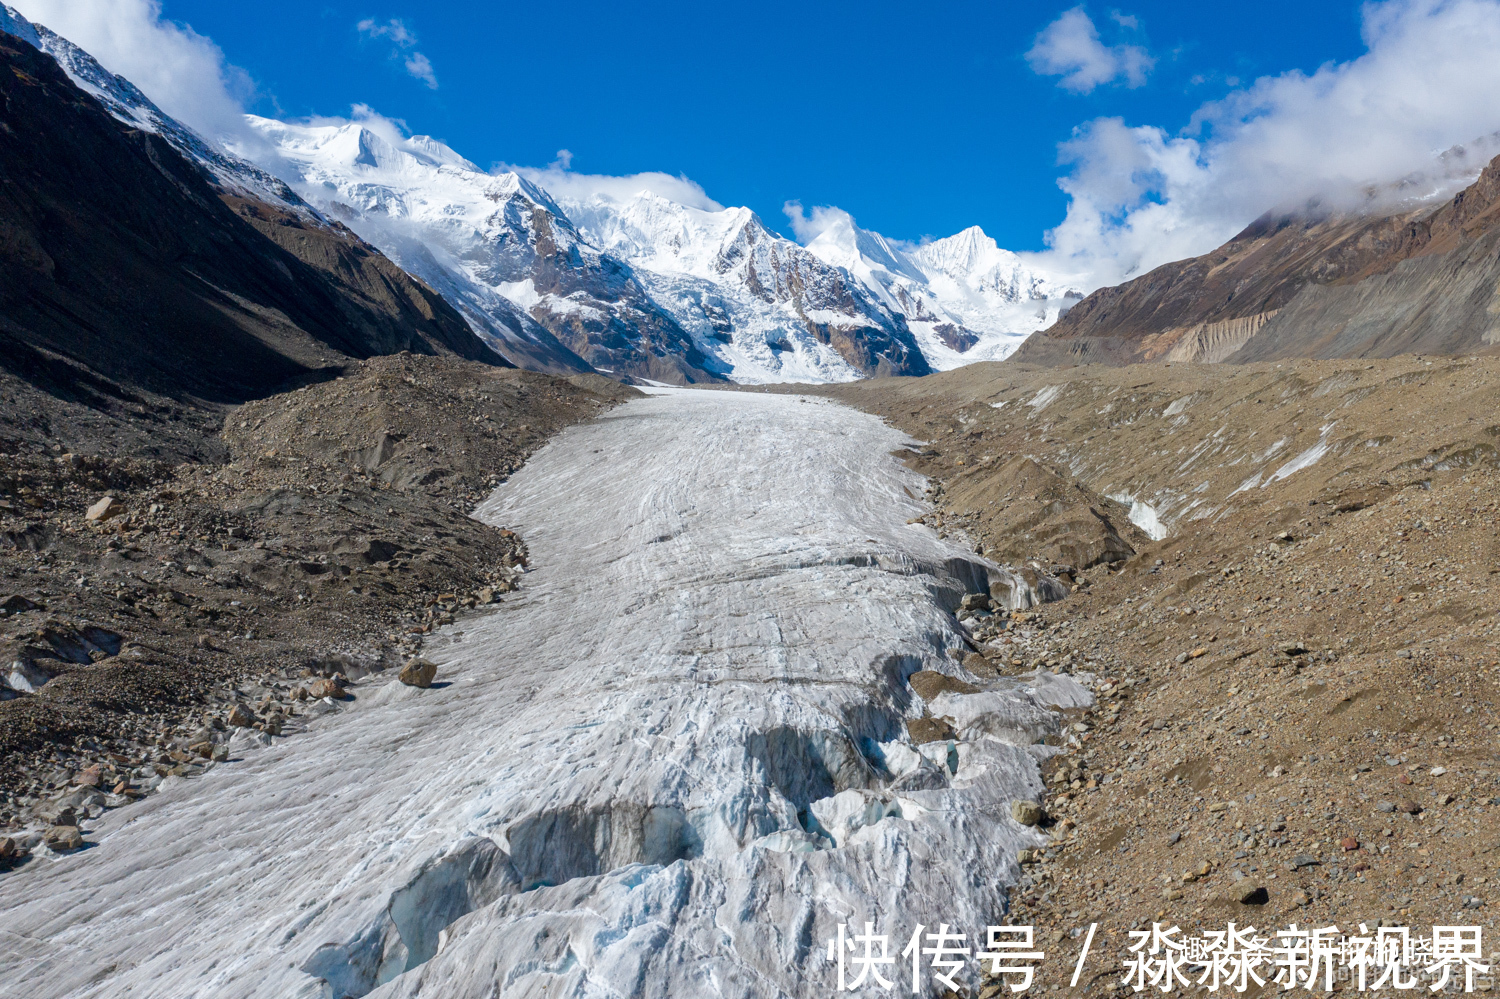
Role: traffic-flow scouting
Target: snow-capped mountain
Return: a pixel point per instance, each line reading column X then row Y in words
column 645, row 287
column 641, row 286
column 768, row 308
column 498, row 247
column 964, row 298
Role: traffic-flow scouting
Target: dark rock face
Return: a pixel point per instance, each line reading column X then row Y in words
column 1419, row 281
column 119, row 257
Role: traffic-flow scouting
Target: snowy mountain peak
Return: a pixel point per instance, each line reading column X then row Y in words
column 964, row 253
column 964, row 297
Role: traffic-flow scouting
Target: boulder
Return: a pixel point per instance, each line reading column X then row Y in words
column 63, row 838
column 1255, row 896
column 239, row 717
column 418, row 673
column 1027, row 813
column 330, row 687
column 106, row 508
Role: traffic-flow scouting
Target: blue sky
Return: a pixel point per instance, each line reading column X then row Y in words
column 1108, row 138
column 918, row 119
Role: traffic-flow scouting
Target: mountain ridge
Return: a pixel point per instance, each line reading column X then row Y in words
column 1408, row 280
column 119, row 254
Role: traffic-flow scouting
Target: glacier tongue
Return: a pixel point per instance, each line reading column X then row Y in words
column 633, row 781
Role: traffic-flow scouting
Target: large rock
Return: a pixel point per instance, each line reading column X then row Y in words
column 106, row 508
column 330, row 687
column 63, row 838
column 418, row 673
column 1028, row 813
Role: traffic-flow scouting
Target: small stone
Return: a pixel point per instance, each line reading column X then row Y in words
column 1349, row 843
column 1385, row 806
column 63, row 838
column 8, row 848
column 106, row 508
column 239, row 717
column 203, row 749
column 1301, row 898
column 1304, row 860
column 91, row 777
column 418, row 673
column 220, row 754
column 1174, row 839
column 121, row 787
column 1255, row 896
column 1437, row 771
column 1408, row 806
column 1027, row 813
column 1198, row 653
column 299, row 694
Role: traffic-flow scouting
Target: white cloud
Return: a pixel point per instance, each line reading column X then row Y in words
column 1069, row 47
column 562, row 183
column 394, row 29
column 809, row 226
column 402, row 40
column 1373, row 129
column 183, row 72
column 420, row 66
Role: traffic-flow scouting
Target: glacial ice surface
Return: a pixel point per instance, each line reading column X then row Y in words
column 654, row 771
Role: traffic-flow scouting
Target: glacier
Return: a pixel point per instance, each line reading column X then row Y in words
column 669, row 766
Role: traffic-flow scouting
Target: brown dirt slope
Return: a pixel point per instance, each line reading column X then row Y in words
column 1417, row 280
column 1296, row 682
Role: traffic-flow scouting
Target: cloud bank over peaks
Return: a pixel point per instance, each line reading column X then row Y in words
column 183, row 72
column 558, row 180
column 808, row 226
column 403, row 47
column 1407, row 119
column 1070, row 48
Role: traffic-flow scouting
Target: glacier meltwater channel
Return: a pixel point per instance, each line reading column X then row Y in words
column 669, row 766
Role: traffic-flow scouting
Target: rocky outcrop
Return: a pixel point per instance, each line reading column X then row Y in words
column 1418, row 280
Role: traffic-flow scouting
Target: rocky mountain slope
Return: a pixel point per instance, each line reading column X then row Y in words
column 120, row 256
column 1418, row 280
